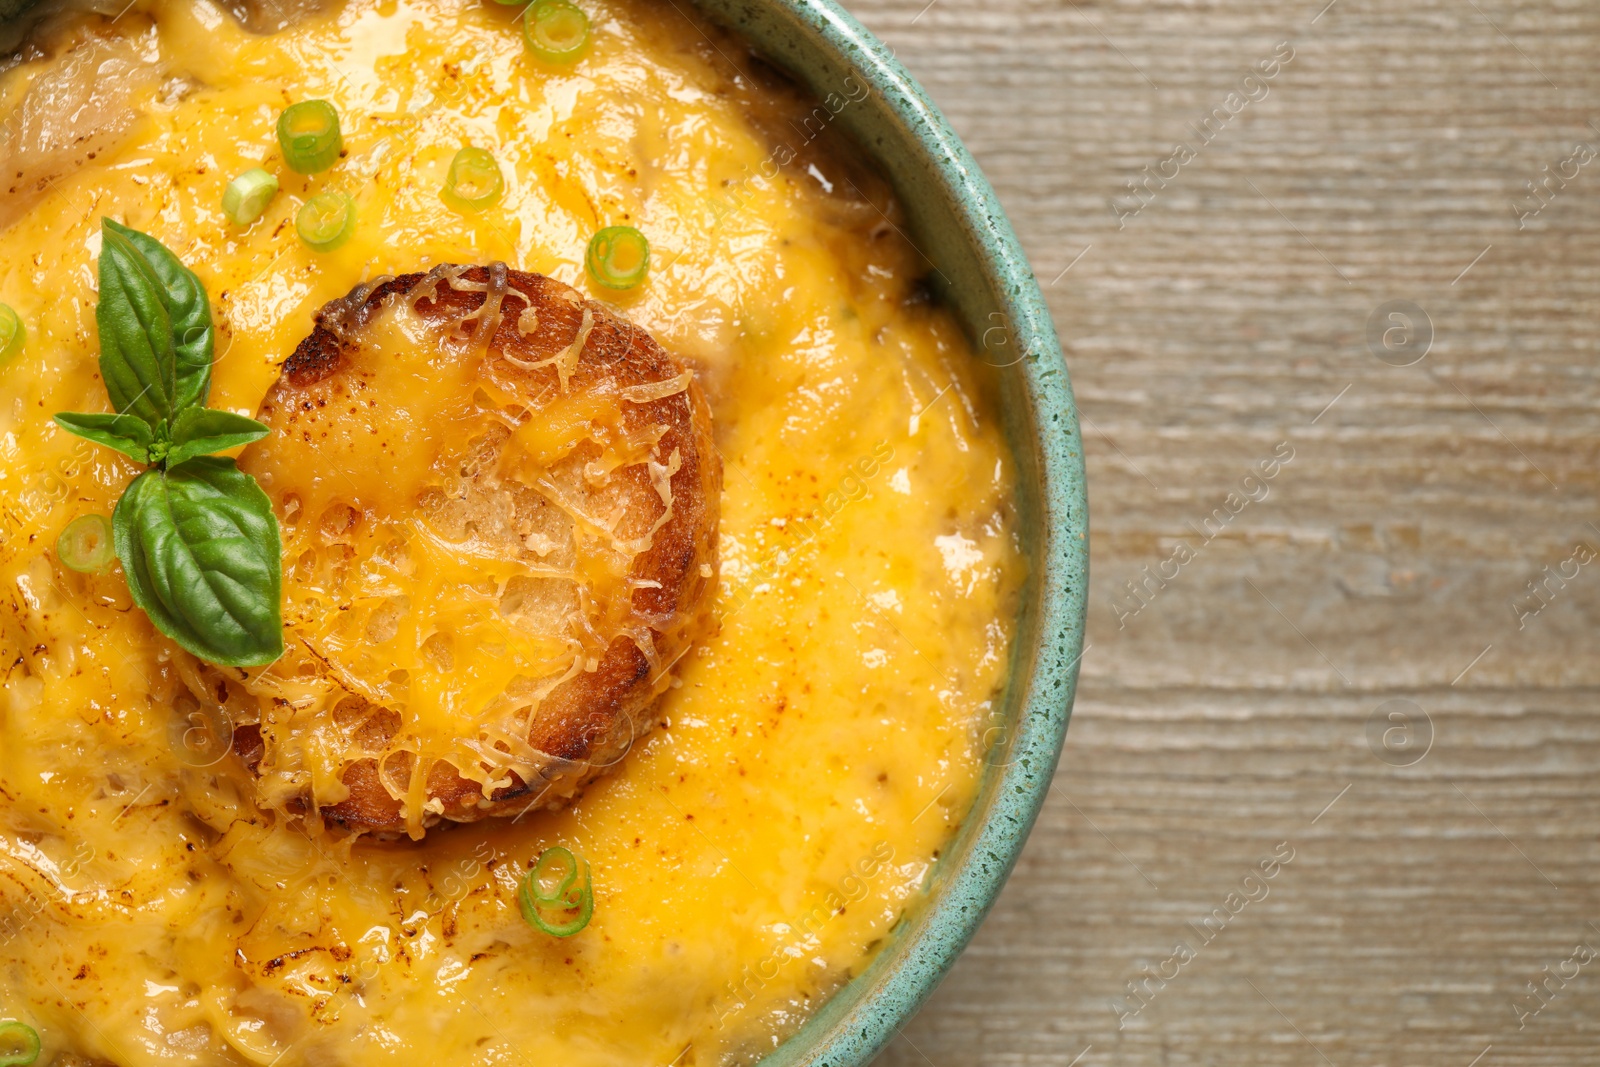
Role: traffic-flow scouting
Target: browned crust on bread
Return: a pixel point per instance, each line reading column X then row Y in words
column 589, row 721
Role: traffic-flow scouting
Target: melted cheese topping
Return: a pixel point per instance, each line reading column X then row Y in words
column 820, row 748
column 430, row 611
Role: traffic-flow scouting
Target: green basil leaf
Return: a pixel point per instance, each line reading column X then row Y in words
column 125, row 433
column 200, row 548
column 202, row 431
column 137, row 360
column 193, row 337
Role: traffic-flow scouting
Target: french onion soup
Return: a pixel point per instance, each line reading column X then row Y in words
column 503, row 558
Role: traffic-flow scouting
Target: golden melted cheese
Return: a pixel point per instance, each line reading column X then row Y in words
column 431, row 609
column 820, row 748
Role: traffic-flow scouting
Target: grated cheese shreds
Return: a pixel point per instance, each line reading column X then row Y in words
column 444, row 613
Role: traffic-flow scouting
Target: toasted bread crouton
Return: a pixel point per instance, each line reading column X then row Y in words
column 499, row 504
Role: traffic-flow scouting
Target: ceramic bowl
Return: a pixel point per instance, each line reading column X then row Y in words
column 981, row 272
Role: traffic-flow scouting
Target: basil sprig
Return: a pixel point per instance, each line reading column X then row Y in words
column 196, row 536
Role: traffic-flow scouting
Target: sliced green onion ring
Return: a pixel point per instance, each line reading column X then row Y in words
column 557, row 31
column 19, row 1044
column 326, row 221
column 12, row 332
column 248, row 195
column 308, row 133
column 86, row 545
column 619, row 257
column 474, row 182
column 567, row 896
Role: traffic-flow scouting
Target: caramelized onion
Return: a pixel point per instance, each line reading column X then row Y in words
column 81, row 108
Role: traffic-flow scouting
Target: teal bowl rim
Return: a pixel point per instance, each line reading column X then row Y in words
column 861, row 1017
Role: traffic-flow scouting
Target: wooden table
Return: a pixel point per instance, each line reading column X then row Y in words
column 1345, row 661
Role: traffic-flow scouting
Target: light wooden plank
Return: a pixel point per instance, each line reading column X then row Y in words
column 1381, row 563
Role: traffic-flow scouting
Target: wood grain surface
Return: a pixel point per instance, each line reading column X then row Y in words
column 1344, row 661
